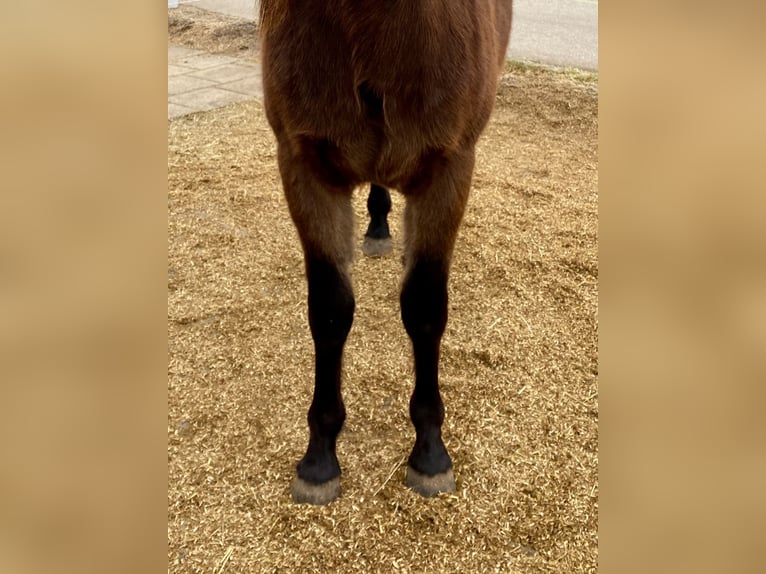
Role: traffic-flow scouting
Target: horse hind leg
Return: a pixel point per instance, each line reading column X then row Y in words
column 377, row 239
column 435, row 206
column 331, row 311
column 323, row 216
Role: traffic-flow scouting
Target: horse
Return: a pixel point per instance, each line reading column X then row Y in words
column 377, row 238
column 394, row 93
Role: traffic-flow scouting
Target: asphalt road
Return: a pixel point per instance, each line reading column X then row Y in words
column 554, row 32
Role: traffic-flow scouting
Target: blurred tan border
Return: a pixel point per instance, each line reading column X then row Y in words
column 83, row 475
column 683, row 287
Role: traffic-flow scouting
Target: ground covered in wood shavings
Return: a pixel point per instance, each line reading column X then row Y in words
column 519, row 362
column 213, row 32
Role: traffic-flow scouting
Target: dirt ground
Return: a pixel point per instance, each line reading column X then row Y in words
column 519, row 364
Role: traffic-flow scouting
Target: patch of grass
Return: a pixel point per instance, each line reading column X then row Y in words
column 574, row 74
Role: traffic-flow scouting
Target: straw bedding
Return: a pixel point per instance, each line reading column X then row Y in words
column 518, row 372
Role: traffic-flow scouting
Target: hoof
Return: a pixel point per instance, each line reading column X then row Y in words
column 429, row 486
column 308, row 493
column 376, row 247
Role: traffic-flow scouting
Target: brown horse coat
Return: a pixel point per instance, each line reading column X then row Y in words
column 384, row 83
column 394, row 93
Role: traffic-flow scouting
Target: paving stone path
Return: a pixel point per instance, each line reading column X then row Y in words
column 198, row 81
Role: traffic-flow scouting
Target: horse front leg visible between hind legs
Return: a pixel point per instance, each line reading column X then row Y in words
column 323, row 216
column 435, row 205
column 377, row 239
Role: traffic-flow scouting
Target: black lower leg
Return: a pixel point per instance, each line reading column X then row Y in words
column 331, row 312
column 378, row 206
column 424, row 313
